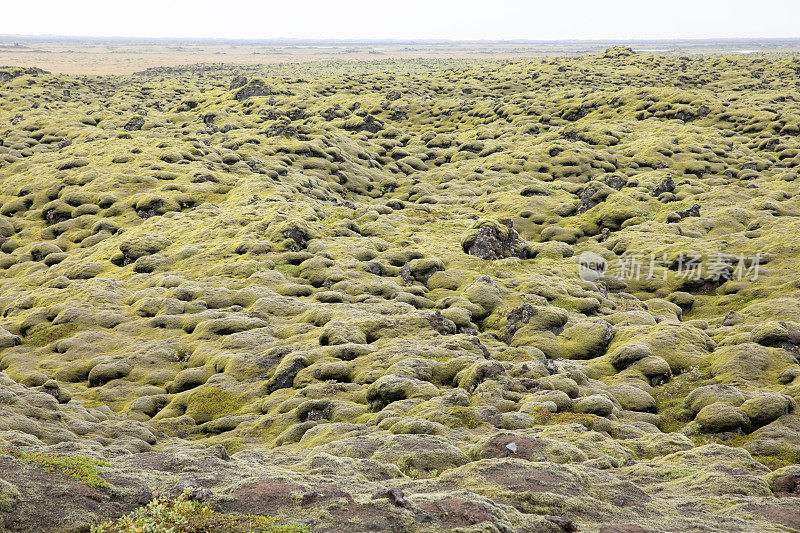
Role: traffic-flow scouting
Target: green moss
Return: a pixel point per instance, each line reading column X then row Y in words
column 727, row 439
column 78, row 467
column 337, row 215
column 288, row 270
column 43, row 335
column 565, row 303
column 176, row 427
column 464, row 417
column 233, row 445
column 147, row 263
column 670, row 398
column 786, row 457
column 678, row 473
column 545, row 417
column 208, row 403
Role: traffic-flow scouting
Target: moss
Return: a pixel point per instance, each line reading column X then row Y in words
column 544, row 416
column 719, row 417
column 43, row 335
column 182, row 427
column 78, row 467
column 233, row 445
column 585, row 340
column 290, row 247
column 464, row 417
column 670, row 399
column 72, row 163
column 288, row 270
column 786, row 457
column 190, row 378
column 209, row 403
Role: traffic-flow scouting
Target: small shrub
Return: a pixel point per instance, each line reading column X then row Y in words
column 465, row 417
column 180, row 355
column 182, row 515
column 83, row 469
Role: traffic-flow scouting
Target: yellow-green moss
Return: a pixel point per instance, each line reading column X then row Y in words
column 208, row 403
column 44, row 335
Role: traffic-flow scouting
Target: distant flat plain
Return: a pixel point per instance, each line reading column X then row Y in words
column 102, row 56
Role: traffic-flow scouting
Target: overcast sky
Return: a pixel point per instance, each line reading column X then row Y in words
column 409, row 19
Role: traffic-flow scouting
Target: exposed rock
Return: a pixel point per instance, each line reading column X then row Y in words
column 666, row 185
column 442, row 324
column 254, row 87
column 134, row 124
column 491, row 240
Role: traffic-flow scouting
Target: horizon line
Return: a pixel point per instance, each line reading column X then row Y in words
column 350, row 40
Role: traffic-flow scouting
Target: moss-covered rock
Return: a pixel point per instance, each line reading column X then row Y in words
column 625, row 355
column 390, row 388
column 594, row 405
column 710, row 394
column 767, row 407
column 718, row 417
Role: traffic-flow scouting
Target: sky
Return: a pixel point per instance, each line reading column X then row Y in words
column 406, row 19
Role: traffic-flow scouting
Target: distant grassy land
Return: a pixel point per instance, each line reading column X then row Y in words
column 114, row 55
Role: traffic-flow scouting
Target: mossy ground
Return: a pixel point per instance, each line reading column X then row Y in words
column 343, row 264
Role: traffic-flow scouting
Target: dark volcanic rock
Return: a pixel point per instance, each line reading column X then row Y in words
column 442, row 324
column 134, row 124
column 492, row 240
column 298, row 236
column 253, row 88
column 666, row 185
column 692, row 211
column 238, row 82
